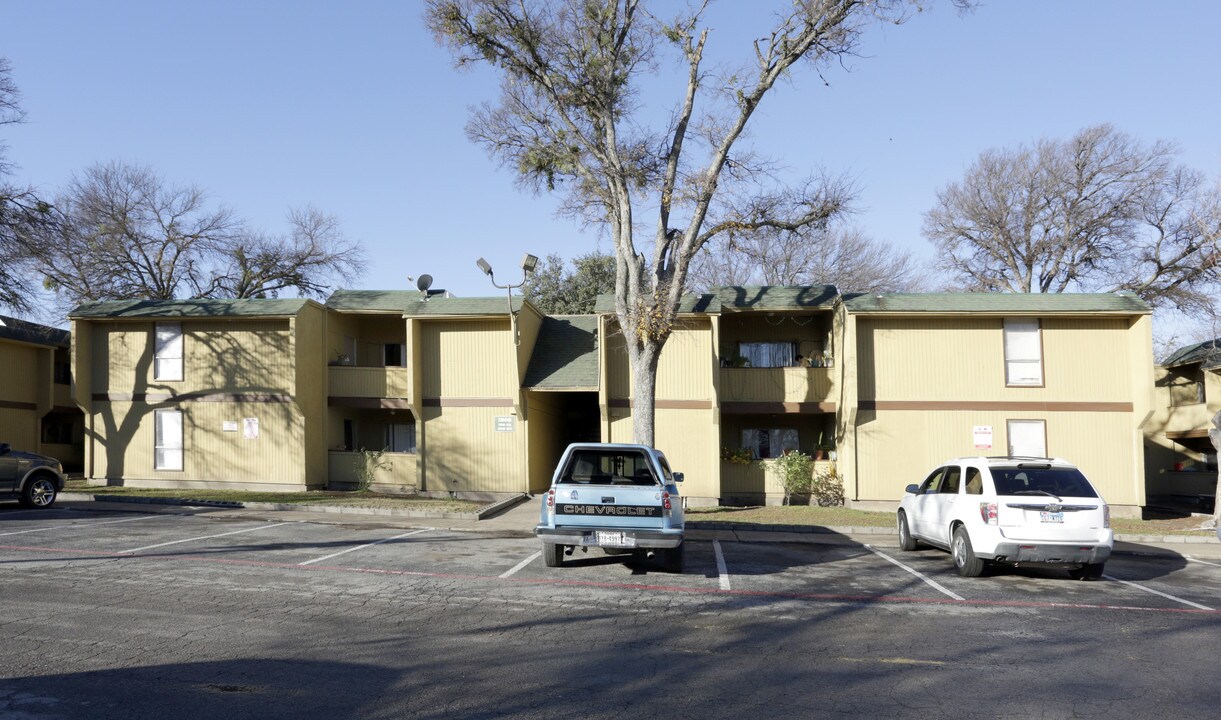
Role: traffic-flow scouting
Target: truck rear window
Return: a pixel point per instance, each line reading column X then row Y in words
column 608, row 467
column 1061, row 482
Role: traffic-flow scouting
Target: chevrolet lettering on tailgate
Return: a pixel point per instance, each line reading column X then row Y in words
column 622, row 498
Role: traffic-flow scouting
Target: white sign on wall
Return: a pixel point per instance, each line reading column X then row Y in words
column 251, row 428
column 229, row 426
column 504, row 423
column 983, row 437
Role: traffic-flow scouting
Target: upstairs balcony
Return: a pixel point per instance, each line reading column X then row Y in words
column 348, row 381
column 789, row 385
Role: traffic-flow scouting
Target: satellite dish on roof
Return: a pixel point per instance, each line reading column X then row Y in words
column 424, row 283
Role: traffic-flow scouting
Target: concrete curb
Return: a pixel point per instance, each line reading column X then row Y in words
column 297, row 507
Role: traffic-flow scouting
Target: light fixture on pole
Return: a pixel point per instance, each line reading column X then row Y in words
column 528, row 263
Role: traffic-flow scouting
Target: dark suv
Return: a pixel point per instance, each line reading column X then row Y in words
column 35, row 480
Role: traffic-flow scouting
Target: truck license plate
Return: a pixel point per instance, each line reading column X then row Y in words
column 1051, row 517
column 606, row 538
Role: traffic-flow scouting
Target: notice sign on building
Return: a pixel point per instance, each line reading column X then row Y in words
column 504, row 423
column 228, row 426
column 250, row 428
column 983, row 437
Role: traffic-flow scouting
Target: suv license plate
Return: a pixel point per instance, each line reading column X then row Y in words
column 613, row 539
column 1051, row 517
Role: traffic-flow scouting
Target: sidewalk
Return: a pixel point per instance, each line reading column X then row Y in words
column 518, row 520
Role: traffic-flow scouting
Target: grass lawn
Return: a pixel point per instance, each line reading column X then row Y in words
column 314, row 497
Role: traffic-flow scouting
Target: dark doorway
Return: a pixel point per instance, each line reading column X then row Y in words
column 580, row 417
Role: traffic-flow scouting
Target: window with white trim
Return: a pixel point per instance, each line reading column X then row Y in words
column 768, row 354
column 167, row 355
column 167, row 429
column 1023, row 352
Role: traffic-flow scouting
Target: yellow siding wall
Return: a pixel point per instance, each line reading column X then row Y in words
column 895, row 448
column 689, row 440
column 684, row 370
column 468, row 359
column 309, row 376
column 463, row 453
column 21, row 379
column 369, row 382
column 545, row 428
column 211, row 457
column 19, row 428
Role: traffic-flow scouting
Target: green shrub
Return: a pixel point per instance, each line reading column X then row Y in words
column 795, row 473
column 827, row 487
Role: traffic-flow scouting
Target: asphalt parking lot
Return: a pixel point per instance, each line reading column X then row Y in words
column 832, row 569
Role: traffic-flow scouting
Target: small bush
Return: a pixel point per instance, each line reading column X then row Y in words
column 827, row 487
column 739, row 456
column 795, row 473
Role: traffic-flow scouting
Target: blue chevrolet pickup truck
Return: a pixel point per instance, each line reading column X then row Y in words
column 619, row 497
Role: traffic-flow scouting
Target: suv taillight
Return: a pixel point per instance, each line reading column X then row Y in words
column 1106, row 515
column 987, row 511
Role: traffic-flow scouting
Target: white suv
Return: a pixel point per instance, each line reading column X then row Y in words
column 1011, row 510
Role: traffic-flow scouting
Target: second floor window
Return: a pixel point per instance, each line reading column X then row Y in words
column 396, row 355
column 769, row 354
column 1023, row 352
column 167, row 358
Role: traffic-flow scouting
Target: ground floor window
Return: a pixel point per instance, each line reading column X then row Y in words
column 1027, row 438
column 400, row 437
column 769, row 442
column 168, row 440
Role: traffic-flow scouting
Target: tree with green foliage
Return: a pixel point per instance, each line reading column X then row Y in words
column 557, row 291
column 573, row 118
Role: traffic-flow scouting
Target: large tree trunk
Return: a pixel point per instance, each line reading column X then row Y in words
column 643, row 362
column 1215, row 436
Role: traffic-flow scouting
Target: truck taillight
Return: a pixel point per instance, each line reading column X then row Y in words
column 1106, row 516
column 665, row 502
column 987, row 511
column 551, row 501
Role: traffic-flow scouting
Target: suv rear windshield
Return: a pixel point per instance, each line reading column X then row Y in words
column 608, row 467
column 1042, row 480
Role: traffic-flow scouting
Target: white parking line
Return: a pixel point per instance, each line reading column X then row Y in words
column 201, row 537
column 1158, row 592
column 937, row 586
column 511, row 572
column 1202, row 562
column 85, row 524
column 361, row 547
column 721, row 569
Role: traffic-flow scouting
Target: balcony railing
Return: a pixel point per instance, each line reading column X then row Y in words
column 369, row 382
column 783, row 384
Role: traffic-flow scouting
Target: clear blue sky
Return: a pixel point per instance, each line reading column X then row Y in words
column 352, row 107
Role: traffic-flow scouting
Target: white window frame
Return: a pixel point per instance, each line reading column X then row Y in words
column 1009, row 435
column 163, row 446
column 167, row 352
column 1023, row 339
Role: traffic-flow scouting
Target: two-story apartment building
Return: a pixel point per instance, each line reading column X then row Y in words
column 478, row 396
column 36, row 409
column 1181, row 461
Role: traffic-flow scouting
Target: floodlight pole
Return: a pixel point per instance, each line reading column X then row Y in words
column 528, row 263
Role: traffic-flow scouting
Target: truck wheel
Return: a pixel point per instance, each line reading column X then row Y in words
column 39, row 492
column 553, row 554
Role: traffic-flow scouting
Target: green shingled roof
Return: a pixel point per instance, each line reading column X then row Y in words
column 776, row 297
column 706, row 303
column 412, row 302
column 983, row 302
column 565, row 355
column 28, row 332
column 199, row 308
column 1208, row 353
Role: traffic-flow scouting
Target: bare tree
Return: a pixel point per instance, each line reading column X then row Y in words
column 20, row 208
column 844, row 257
column 571, row 118
column 260, row 265
column 122, row 232
column 1098, row 212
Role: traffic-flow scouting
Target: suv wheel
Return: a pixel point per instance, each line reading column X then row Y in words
column 553, row 554
column 1090, row 571
column 39, row 492
column 906, row 541
column 965, row 561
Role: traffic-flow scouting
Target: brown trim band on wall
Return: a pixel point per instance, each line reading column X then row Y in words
column 776, row 408
column 193, row 397
column 664, row 404
column 11, row 405
column 996, row 405
column 468, row 402
column 369, row 403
